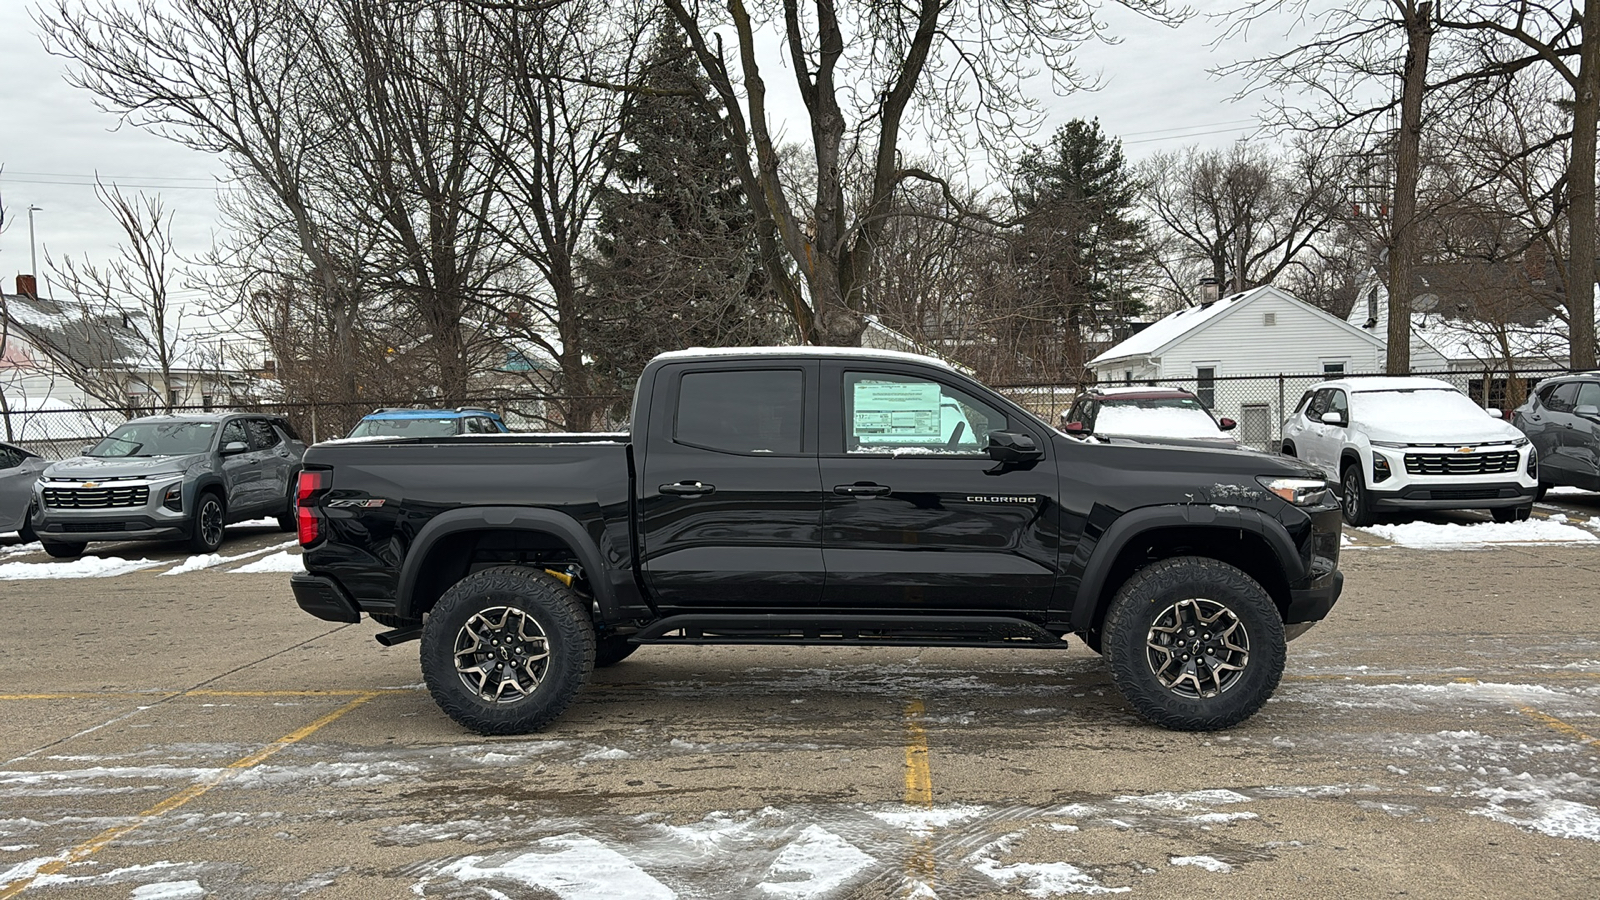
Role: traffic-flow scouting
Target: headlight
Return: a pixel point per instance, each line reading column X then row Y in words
column 1299, row 491
column 1392, row 445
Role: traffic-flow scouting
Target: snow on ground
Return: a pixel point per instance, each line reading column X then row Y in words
column 83, row 567
column 1209, row 863
column 169, row 890
column 1431, row 536
column 256, row 523
column 209, row 560
column 572, row 867
column 20, row 549
column 1531, row 802
column 813, row 865
column 278, row 562
column 1563, row 489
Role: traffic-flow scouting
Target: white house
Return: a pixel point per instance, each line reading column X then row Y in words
column 1250, row 356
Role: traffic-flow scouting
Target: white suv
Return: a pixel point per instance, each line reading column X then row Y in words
column 1412, row 443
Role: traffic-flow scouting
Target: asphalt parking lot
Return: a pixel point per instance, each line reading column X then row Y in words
column 194, row 734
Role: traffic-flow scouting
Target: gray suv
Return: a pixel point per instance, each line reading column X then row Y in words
column 1562, row 419
column 176, row 477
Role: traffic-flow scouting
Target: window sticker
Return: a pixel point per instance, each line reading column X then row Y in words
column 896, row 412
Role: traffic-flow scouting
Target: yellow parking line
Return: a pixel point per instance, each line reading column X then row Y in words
column 919, row 782
column 98, row 842
column 169, row 695
column 1565, row 728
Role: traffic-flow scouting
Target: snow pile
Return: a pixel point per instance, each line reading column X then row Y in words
column 211, row 560
column 922, row 822
column 1529, row 802
column 85, row 567
column 1045, row 879
column 572, row 867
column 814, row 864
column 1427, row 535
column 278, row 562
column 169, row 890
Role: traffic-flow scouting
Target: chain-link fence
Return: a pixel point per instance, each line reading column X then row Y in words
column 56, row 430
column 1261, row 403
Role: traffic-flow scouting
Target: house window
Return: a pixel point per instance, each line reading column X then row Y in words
column 205, row 402
column 1205, row 385
column 1269, row 319
column 1127, row 376
column 1333, row 368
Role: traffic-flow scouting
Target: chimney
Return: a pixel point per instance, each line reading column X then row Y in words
column 1533, row 260
column 1210, row 291
column 28, row 286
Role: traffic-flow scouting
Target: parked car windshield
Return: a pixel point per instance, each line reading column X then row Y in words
column 157, row 439
column 404, row 428
column 1416, row 410
column 1175, row 417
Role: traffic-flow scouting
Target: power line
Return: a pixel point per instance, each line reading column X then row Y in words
column 1179, row 137
column 1181, row 127
column 114, row 177
column 162, row 187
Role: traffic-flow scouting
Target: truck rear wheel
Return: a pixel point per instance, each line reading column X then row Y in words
column 506, row 650
column 1194, row 644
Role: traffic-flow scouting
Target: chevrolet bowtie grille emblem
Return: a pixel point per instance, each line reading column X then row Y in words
column 1464, row 449
column 90, row 484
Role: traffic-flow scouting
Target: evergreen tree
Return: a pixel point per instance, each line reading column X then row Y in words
column 675, row 262
column 1081, row 247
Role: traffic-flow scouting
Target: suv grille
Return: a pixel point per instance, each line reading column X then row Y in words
column 1460, row 463
column 96, row 498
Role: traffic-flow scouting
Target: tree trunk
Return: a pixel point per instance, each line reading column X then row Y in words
column 1581, row 180
column 1404, row 243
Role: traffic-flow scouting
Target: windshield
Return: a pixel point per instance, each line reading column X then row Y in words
column 404, row 428
column 157, row 439
column 1414, row 411
column 1175, row 417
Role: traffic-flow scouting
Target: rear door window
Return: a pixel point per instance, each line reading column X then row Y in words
column 262, row 435
column 742, row 411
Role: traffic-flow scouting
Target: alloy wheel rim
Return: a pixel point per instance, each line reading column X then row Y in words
column 211, row 522
column 1197, row 648
column 1351, row 486
column 501, row 654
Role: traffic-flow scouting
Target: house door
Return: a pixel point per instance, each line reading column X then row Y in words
column 1255, row 426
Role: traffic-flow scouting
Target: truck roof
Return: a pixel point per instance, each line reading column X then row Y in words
column 799, row 353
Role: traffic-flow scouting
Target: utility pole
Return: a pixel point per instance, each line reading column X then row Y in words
column 33, row 248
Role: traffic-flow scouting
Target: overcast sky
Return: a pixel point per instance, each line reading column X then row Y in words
column 1156, row 95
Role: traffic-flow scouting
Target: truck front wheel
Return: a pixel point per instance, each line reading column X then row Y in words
column 1194, row 644
column 506, row 650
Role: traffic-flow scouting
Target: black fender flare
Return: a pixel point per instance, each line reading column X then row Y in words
column 203, row 483
column 507, row 518
column 1131, row 524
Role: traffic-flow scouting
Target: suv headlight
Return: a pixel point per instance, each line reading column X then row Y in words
column 1298, row 491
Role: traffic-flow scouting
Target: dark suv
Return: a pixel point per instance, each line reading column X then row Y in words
column 1562, row 419
column 173, row 477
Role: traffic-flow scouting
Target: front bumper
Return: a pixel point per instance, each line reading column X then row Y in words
column 1483, row 495
column 104, row 528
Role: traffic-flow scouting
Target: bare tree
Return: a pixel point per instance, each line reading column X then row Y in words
column 1242, row 216
column 870, row 73
column 1513, row 34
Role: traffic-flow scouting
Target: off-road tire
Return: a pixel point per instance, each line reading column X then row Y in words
column 203, row 537
column 1159, row 589
column 568, row 635
column 1353, row 501
column 1544, row 488
column 71, row 550
column 608, row 651
column 288, row 520
column 1512, row 513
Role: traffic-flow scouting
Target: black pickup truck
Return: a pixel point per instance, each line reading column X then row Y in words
column 821, row 497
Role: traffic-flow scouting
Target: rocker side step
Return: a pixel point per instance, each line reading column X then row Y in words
column 800, row 628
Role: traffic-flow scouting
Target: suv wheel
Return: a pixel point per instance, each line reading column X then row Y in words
column 1288, row 449
column 1194, row 644
column 506, row 650
column 209, row 521
column 64, row 551
column 1512, row 513
column 1544, row 486
column 1357, row 509
column 26, row 533
column 288, row 519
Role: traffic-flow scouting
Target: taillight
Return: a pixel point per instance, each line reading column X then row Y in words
column 307, row 518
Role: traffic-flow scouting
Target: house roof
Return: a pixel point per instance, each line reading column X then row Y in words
column 1155, row 340
column 102, row 341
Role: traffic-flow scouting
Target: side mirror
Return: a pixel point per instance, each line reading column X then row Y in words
column 1074, row 428
column 1227, row 424
column 1497, row 413
column 1012, row 447
column 1587, row 411
column 1332, row 418
column 88, row 449
column 233, row 447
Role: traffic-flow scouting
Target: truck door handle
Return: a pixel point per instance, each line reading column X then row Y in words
column 862, row 489
column 688, row 488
